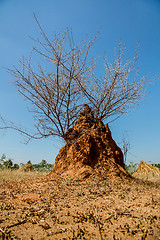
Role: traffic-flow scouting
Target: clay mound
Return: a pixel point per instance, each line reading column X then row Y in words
column 26, row 168
column 146, row 170
column 90, row 150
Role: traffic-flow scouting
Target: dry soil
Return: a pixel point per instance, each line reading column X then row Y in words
column 92, row 208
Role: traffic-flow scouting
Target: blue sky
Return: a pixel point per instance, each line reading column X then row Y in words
column 131, row 21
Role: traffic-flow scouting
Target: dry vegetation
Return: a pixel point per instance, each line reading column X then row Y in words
column 59, row 208
column 17, row 175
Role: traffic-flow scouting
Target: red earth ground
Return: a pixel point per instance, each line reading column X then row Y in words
column 92, row 208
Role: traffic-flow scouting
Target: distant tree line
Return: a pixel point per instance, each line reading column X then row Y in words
column 156, row 165
column 44, row 166
column 8, row 164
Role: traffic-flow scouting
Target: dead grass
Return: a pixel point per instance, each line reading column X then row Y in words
column 16, row 175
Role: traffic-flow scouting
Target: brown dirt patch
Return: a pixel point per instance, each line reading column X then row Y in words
column 61, row 208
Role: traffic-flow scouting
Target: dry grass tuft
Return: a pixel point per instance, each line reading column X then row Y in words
column 16, row 175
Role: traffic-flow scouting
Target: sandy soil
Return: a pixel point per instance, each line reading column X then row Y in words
column 80, row 209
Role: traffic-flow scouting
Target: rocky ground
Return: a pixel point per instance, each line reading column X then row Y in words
column 60, row 208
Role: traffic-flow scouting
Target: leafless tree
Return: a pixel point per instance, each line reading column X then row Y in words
column 125, row 147
column 59, row 91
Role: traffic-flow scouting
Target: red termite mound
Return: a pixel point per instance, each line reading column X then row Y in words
column 90, row 150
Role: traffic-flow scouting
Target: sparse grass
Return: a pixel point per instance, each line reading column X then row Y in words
column 16, row 175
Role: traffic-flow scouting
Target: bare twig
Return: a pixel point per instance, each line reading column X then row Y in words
column 59, row 92
column 17, row 224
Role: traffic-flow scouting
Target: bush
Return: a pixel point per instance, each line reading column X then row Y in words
column 8, row 164
column 131, row 168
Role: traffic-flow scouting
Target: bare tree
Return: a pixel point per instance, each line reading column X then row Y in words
column 59, row 92
column 125, row 147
